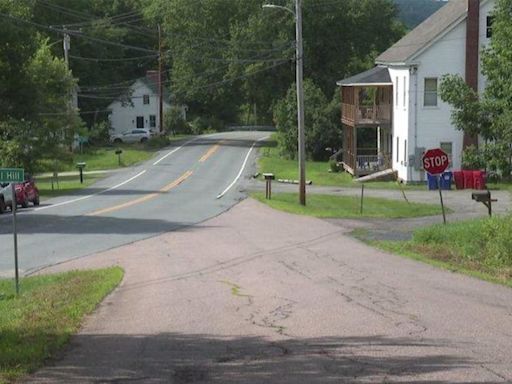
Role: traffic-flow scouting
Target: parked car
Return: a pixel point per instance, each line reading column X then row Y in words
column 133, row 136
column 26, row 193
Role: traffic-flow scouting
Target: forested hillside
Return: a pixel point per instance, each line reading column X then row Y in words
column 413, row 12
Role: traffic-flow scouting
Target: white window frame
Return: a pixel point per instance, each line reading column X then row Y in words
column 427, row 93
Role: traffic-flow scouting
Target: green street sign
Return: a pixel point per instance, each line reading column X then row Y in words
column 12, row 175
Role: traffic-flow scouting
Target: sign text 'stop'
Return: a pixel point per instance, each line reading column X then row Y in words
column 12, row 175
column 435, row 161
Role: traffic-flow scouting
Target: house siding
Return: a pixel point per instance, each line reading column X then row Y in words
column 401, row 119
column 124, row 117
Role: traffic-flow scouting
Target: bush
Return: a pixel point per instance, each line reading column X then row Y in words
column 174, row 122
column 158, row 141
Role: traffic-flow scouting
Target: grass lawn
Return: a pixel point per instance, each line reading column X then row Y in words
column 317, row 172
column 67, row 184
column 482, row 247
column 38, row 323
column 347, row 206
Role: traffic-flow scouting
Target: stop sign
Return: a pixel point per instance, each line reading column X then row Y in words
column 435, row 161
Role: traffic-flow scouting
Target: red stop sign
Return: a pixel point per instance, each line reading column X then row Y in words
column 435, row 161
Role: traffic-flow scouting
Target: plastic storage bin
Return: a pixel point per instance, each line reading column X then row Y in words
column 431, row 182
column 468, row 179
column 458, row 178
column 446, row 181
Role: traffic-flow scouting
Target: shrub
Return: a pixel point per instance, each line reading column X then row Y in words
column 158, row 141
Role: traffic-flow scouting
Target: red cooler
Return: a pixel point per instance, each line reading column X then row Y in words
column 468, row 179
column 478, row 179
column 458, row 177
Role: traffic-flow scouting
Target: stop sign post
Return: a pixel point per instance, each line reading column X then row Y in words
column 435, row 162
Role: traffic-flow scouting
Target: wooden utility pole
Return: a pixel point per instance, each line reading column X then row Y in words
column 160, row 82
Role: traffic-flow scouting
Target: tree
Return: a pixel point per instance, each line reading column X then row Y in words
column 320, row 118
column 489, row 115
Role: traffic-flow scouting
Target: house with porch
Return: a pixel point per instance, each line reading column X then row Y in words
column 392, row 113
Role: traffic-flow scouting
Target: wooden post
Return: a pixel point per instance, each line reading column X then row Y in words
column 362, row 198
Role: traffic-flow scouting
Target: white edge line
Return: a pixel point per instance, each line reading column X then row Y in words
column 220, row 195
column 94, row 194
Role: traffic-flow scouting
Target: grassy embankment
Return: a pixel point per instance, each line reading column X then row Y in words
column 316, row 171
column 39, row 322
column 328, row 206
column 482, row 248
column 97, row 159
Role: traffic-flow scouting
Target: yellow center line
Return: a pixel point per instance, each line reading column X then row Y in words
column 142, row 199
column 210, row 152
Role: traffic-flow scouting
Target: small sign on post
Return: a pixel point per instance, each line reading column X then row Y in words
column 435, row 161
column 13, row 175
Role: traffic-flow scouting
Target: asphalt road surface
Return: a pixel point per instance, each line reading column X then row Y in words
column 256, row 296
column 179, row 187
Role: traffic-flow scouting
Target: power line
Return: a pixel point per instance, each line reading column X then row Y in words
column 96, row 59
column 77, row 34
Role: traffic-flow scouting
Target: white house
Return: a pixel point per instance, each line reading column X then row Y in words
column 141, row 110
column 399, row 97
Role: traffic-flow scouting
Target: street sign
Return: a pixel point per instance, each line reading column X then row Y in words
column 12, row 175
column 435, row 161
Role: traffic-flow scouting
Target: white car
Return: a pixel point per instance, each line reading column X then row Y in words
column 134, row 136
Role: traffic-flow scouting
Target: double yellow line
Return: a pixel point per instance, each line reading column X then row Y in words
column 151, row 196
column 143, row 199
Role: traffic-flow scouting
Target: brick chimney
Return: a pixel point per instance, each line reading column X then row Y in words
column 152, row 77
column 472, row 55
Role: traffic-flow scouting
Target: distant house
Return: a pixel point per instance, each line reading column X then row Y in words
column 141, row 109
column 399, row 100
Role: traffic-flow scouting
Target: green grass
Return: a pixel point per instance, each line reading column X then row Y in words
column 38, row 323
column 317, row 172
column 347, row 206
column 67, row 184
column 482, row 247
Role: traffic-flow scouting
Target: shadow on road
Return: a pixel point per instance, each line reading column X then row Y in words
column 179, row 358
column 41, row 223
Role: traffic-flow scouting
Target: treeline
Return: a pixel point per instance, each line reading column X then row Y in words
column 413, row 12
column 229, row 61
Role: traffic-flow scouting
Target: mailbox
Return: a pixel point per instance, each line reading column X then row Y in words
column 484, row 197
column 268, row 188
column 119, row 151
column 81, row 167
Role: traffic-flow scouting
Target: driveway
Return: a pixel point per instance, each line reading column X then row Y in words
column 260, row 296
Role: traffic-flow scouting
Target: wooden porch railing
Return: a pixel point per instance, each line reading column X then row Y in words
column 377, row 114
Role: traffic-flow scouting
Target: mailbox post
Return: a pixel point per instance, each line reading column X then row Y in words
column 81, row 167
column 268, row 187
column 118, row 153
column 485, row 199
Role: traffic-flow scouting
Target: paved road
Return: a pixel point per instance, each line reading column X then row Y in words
column 260, row 296
column 178, row 188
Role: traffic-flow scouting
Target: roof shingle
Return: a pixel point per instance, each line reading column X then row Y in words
column 425, row 33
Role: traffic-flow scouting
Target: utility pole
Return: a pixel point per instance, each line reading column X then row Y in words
column 67, row 47
column 299, row 60
column 160, row 81
column 300, row 102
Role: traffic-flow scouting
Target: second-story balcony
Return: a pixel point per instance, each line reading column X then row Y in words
column 367, row 98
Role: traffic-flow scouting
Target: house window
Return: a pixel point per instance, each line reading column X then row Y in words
column 145, row 99
column 397, row 149
column 152, row 121
column 447, row 146
column 140, row 122
column 430, row 93
column 490, row 20
column 396, row 91
column 405, row 89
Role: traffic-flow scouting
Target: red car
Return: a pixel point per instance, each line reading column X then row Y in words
column 28, row 192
